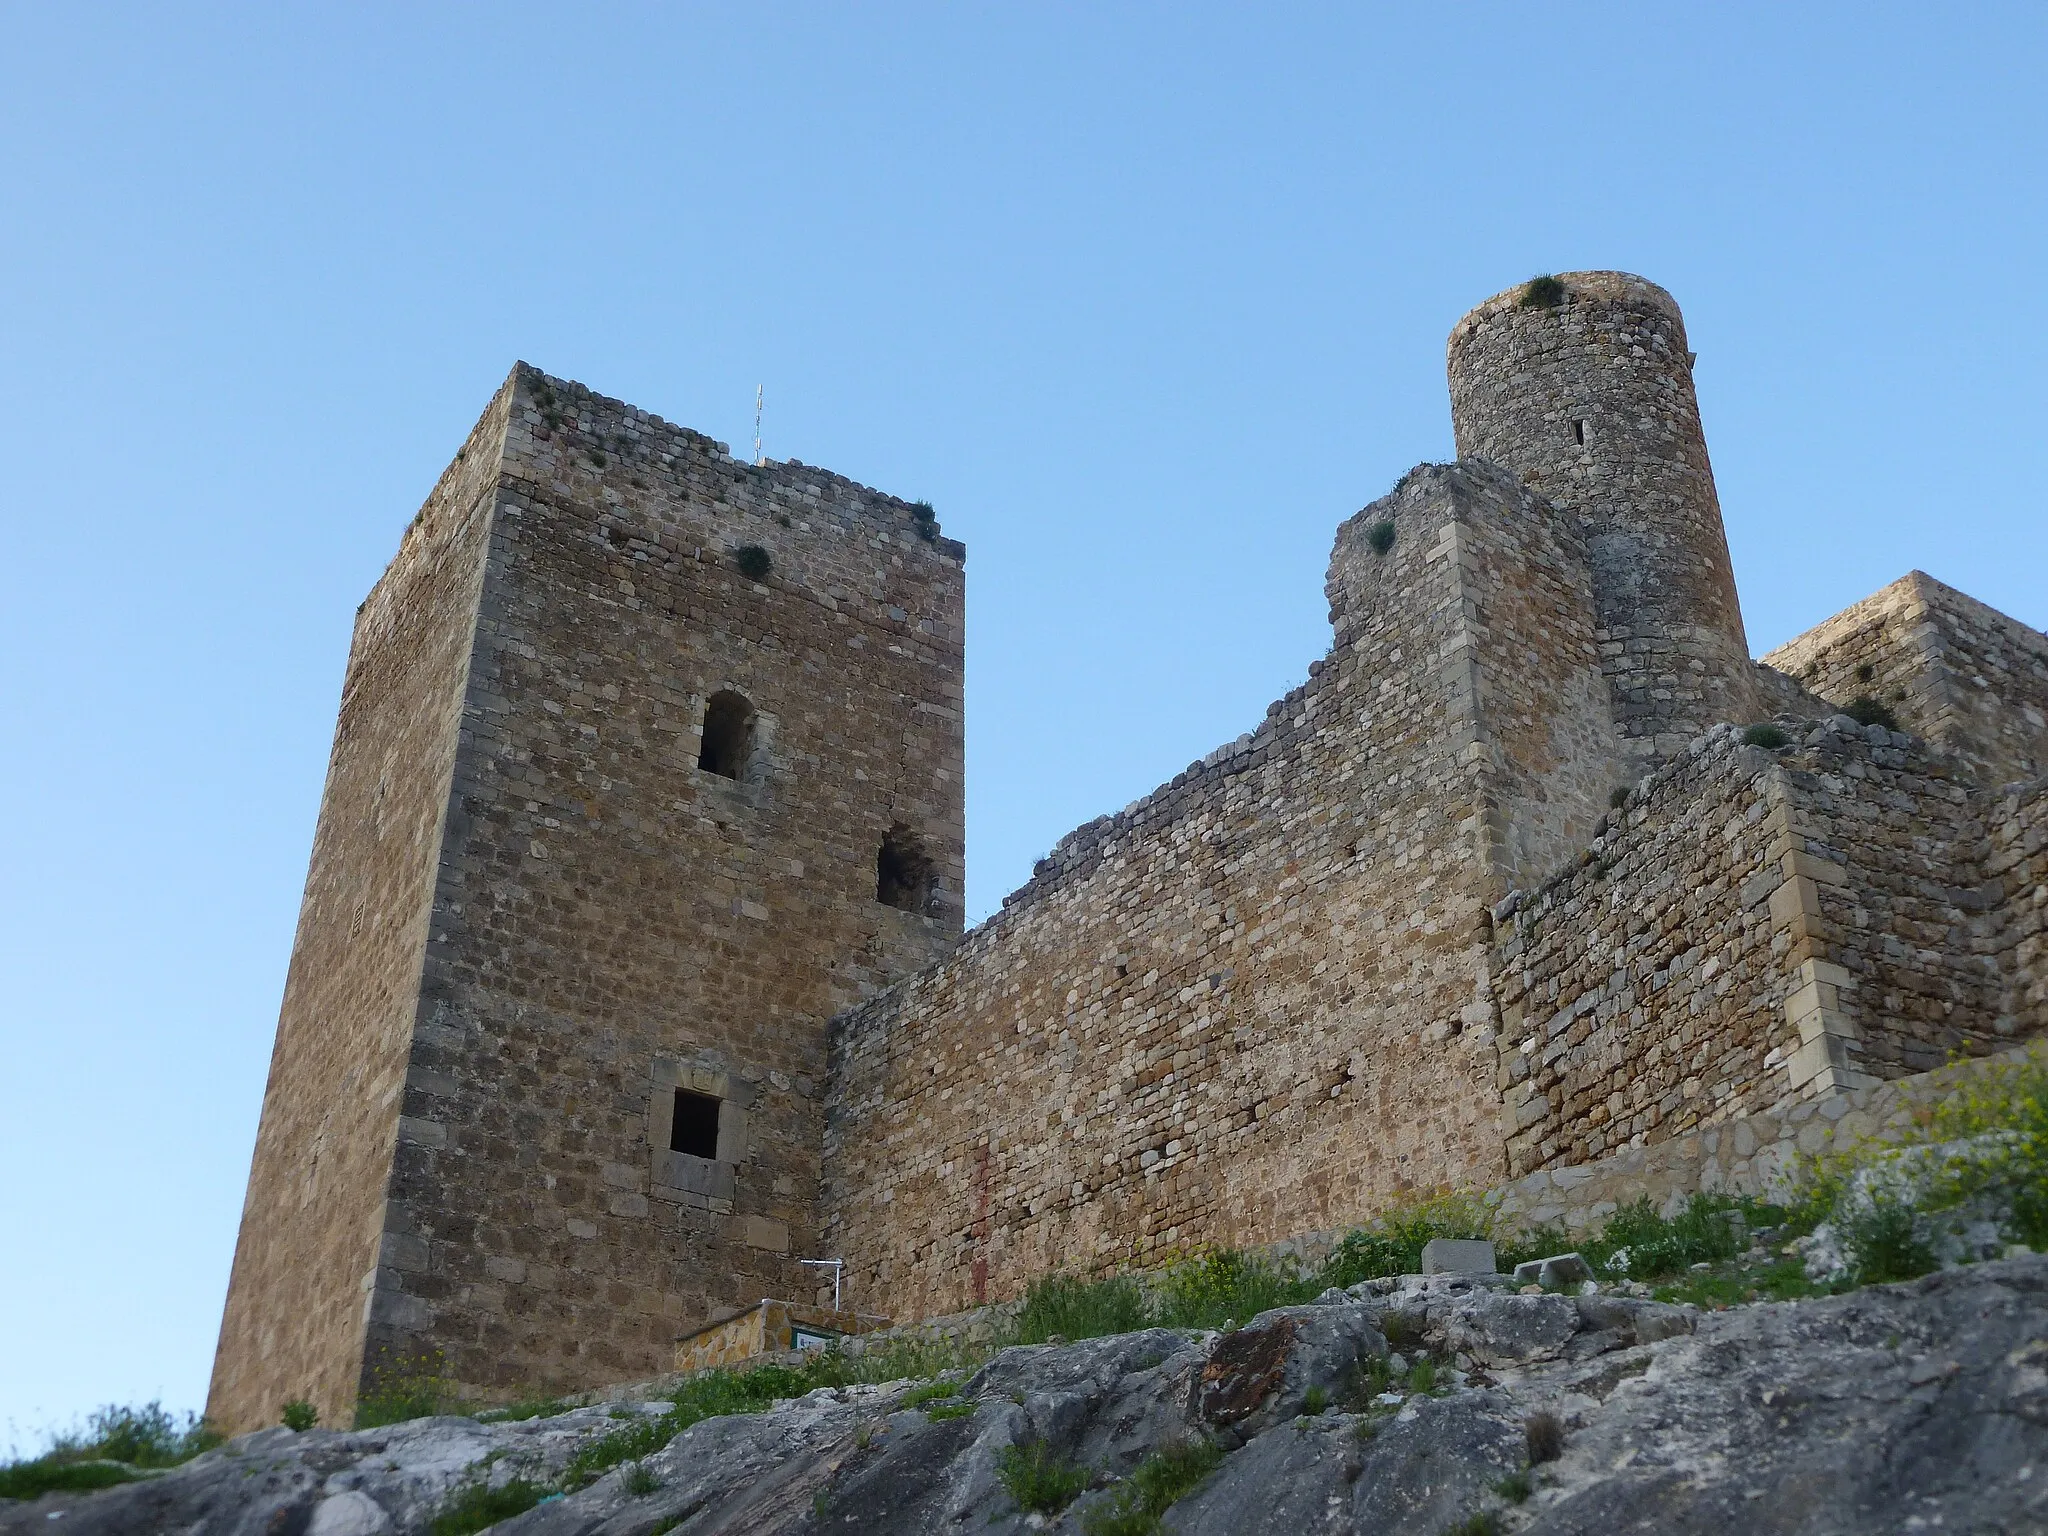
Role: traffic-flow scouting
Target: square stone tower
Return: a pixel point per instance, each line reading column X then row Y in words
column 649, row 761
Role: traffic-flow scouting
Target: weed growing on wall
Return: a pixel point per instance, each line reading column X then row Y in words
column 1865, row 710
column 404, row 1385
column 1381, row 537
column 1544, row 292
column 1766, row 735
column 753, row 561
column 300, row 1415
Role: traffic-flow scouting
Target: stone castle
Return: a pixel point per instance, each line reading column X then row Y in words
column 630, row 971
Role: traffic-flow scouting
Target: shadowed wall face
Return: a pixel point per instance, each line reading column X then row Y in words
column 1590, row 401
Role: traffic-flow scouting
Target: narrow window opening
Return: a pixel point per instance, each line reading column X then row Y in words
column 728, row 735
column 903, row 872
column 1579, row 431
column 694, row 1130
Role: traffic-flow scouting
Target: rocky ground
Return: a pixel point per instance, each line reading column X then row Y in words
column 1424, row 1406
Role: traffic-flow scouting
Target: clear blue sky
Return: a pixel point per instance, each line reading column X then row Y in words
column 1144, row 299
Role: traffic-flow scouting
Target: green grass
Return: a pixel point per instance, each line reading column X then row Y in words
column 1515, row 1487
column 118, row 1444
column 300, row 1415
column 478, row 1506
column 1069, row 1307
column 939, row 1411
column 1039, row 1478
column 1865, row 710
column 1168, row 1475
column 1485, row 1523
column 33, row 1479
column 641, row 1481
column 917, row 1397
column 528, row 1408
column 1227, row 1287
column 1766, row 735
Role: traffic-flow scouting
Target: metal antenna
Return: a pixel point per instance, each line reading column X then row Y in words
column 759, row 459
column 838, row 1268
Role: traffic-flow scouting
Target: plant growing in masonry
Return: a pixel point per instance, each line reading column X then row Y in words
column 1865, row 710
column 753, row 561
column 1766, row 735
column 300, row 1415
column 1544, row 292
column 1381, row 537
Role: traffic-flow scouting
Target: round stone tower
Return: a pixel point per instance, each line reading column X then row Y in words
column 1581, row 385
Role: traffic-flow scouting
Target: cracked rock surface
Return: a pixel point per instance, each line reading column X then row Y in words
column 1921, row 1406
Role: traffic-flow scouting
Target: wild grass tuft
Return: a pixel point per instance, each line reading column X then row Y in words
column 753, row 561
column 1765, row 735
column 478, row 1506
column 1168, row 1475
column 1039, row 1478
column 1381, row 537
column 1544, row 1433
column 1865, row 710
column 1544, row 292
column 1070, row 1307
column 119, row 1442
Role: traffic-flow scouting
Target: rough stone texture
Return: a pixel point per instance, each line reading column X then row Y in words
column 1950, row 668
column 610, row 922
column 1925, row 1402
column 1209, row 1018
column 1591, row 401
column 1499, row 892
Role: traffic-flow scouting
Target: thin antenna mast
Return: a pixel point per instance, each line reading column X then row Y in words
column 759, row 459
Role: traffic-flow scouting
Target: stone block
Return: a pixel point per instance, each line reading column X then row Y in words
column 1559, row 1272
column 1457, row 1256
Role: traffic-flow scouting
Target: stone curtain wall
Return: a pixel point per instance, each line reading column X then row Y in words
column 2016, row 876
column 613, row 921
column 1251, row 1003
column 1907, row 915
column 311, row 1221
column 1591, row 402
column 1757, row 925
column 1952, row 670
column 1639, row 991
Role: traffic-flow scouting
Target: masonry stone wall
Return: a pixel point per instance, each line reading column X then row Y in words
column 1951, row 669
column 1749, row 927
column 618, row 830
column 314, row 1213
column 610, row 921
column 1254, row 1001
column 2016, row 877
column 1590, row 399
column 614, row 922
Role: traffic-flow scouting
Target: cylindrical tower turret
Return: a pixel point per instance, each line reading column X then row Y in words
column 1582, row 386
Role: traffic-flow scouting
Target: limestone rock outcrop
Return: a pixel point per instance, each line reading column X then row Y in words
column 1904, row 1407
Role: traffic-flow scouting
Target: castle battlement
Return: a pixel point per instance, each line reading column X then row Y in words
column 630, row 970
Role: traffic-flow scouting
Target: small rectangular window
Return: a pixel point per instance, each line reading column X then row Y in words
column 694, row 1130
column 1579, row 431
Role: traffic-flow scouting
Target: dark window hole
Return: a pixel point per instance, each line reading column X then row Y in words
column 903, row 872
column 728, row 735
column 695, row 1128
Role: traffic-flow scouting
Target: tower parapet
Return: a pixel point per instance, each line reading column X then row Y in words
column 1584, row 390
